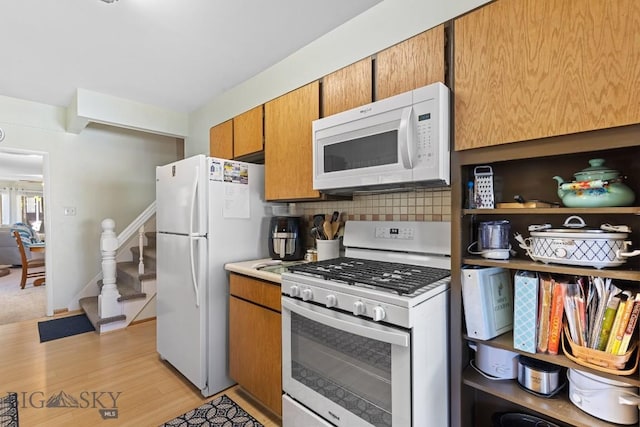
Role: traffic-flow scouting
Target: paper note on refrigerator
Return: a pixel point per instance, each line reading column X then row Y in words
column 236, row 190
column 236, row 201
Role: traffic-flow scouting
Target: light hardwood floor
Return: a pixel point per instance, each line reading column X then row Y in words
column 85, row 365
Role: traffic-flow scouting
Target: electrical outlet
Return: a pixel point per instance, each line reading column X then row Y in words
column 70, row 211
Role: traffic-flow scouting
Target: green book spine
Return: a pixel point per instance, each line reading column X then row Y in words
column 607, row 323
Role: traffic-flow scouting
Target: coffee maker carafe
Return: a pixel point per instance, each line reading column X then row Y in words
column 285, row 238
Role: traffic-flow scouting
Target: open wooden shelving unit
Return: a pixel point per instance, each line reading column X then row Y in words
column 527, row 168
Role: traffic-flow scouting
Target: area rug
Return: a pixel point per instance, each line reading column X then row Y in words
column 9, row 410
column 64, row 327
column 220, row 412
column 18, row 304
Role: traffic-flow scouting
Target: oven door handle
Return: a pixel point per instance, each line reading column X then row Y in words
column 343, row 323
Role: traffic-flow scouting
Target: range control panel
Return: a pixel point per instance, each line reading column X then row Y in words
column 399, row 233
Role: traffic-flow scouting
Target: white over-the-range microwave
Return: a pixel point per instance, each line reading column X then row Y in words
column 397, row 143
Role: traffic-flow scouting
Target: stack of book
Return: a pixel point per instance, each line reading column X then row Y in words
column 613, row 317
column 599, row 315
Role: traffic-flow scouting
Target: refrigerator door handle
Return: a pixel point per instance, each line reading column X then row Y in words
column 194, row 280
column 194, row 191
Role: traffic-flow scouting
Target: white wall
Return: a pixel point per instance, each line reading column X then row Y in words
column 384, row 25
column 102, row 172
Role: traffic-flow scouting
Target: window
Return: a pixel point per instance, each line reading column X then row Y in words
column 22, row 205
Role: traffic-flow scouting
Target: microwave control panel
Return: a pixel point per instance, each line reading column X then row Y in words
column 426, row 152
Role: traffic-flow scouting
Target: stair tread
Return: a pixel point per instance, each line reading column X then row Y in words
column 90, row 307
column 147, row 252
column 126, row 291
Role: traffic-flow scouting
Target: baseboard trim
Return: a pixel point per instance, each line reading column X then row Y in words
column 148, row 319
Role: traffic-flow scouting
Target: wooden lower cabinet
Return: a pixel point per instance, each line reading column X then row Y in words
column 255, row 339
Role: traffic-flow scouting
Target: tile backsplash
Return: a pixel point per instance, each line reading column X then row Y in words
column 418, row 205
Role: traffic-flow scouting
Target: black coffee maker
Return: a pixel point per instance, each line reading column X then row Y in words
column 285, row 238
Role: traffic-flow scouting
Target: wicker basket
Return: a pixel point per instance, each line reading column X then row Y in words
column 600, row 360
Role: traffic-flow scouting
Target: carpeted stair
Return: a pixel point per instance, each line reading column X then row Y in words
column 129, row 282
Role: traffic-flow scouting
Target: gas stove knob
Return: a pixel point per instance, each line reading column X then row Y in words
column 332, row 301
column 378, row 313
column 358, row 308
column 294, row 291
column 307, row 295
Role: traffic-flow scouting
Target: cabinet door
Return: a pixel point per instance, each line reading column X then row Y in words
column 221, row 140
column 288, row 154
column 414, row 63
column 248, row 132
column 255, row 351
column 347, row 88
column 537, row 68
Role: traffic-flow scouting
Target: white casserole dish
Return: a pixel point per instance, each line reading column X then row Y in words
column 609, row 400
column 576, row 245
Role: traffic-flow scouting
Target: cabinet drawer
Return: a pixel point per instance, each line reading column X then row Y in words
column 260, row 292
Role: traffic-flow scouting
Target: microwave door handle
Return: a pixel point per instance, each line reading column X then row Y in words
column 405, row 140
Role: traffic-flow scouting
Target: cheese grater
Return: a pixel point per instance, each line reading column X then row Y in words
column 483, row 187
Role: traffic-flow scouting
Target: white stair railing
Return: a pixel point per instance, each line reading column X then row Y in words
column 108, row 305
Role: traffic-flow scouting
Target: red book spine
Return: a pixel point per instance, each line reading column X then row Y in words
column 555, row 321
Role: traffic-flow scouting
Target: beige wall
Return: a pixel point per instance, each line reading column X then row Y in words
column 103, row 172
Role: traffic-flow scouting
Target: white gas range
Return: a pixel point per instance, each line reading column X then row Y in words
column 365, row 336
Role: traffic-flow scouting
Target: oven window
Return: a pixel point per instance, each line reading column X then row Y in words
column 352, row 371
column 373, row 150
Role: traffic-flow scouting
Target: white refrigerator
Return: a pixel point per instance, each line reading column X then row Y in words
column 210, row 211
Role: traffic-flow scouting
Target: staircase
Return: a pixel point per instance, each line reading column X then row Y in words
column 135, row 290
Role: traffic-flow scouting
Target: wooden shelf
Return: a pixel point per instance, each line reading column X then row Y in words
column 559, row 407
column 633, row 210
column 505, row 342
column 520, row 264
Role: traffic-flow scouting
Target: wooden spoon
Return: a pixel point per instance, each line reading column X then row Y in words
column 328, row 230
column 335, row 226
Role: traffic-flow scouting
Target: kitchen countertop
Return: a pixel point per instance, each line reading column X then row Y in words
column 249, row 268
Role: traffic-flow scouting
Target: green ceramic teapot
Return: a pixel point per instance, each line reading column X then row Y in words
column 596, row 186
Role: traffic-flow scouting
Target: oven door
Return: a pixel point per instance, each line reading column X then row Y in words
column 350, row 371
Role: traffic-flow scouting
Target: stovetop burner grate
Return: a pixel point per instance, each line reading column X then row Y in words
column 391, row 276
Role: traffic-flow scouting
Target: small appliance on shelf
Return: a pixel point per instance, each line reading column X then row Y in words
column 493, row 240
column 285, row 238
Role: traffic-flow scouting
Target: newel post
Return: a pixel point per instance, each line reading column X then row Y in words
column 108, row 305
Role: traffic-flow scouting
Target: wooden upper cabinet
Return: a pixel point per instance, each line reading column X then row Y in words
column 528, row 69
column 347, row 88
column 221, row 140
column 411, row 64
column 288, row 155
column 248, row 132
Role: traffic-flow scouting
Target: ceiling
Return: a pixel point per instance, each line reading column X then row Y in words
column 174, row 54
column 20, row 167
